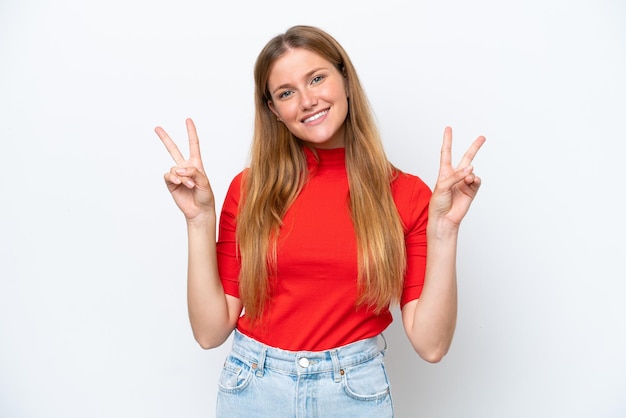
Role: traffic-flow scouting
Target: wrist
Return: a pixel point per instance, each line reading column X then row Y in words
column 442, row 229
column 202, row 221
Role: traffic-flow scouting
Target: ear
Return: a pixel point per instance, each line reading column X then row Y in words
column 270, row 104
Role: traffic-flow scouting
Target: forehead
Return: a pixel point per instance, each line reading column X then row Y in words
column 294, row 64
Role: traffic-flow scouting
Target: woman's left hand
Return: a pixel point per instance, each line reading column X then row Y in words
column 456, row 187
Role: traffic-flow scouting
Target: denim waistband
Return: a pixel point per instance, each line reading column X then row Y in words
column 306, row 362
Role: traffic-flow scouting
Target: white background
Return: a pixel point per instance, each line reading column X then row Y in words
column 93, row 318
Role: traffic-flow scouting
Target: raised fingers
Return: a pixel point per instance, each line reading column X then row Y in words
column 446, row 148
column 471, row 152
column 194, row 142
column 468, row 157
column 170, row 145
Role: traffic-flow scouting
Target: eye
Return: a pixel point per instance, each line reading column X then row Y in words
column 317, row 79
column 285, row 94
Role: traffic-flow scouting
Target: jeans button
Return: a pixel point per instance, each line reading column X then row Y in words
column 304, row 362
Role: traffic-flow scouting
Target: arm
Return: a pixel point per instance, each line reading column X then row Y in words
column 430, row 321
column 212, row 313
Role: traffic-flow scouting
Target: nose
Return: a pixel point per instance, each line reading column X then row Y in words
column 307, row 100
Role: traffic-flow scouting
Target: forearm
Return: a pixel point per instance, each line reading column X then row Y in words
column 209, row 314
column 430, row 322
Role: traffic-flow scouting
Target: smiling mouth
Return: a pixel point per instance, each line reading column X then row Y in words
column 315, row 116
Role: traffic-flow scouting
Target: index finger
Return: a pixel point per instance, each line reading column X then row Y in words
column 472, row 151
column 170, row 145
column 194, row 142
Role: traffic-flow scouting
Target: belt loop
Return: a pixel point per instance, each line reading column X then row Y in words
column 385, row 341
column 261, row 366
column 336, row 366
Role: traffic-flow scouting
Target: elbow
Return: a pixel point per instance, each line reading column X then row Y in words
column 434, row 356
column 208, row 342
column 429, row 347
column 210, row 336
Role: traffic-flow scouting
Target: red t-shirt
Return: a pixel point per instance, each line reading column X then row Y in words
column 313, row 296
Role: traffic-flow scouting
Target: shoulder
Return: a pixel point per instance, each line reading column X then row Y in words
column 233, row 195
column 237, row 181
column 411, row 196
column 407, row 188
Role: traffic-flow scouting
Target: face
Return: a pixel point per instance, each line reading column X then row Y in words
column 309, row 96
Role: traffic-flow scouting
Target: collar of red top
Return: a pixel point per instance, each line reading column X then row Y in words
column 319, row 160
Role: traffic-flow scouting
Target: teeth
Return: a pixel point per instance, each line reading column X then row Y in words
column 316, row 116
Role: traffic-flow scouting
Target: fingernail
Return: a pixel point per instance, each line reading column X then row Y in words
column 181, row 171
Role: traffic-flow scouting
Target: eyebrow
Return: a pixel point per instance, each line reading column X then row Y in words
column 307, row 75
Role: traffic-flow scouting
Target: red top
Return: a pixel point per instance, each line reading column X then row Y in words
column 312, row 300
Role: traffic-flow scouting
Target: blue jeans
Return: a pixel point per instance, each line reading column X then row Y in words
column 262, row 381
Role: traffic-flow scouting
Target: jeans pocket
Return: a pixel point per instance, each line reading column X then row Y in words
column 367, row 381
column 236, row 374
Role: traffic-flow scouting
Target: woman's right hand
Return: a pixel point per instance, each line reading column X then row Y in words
column 187, row 180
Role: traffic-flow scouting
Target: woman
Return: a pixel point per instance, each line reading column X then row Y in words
column 317, row 238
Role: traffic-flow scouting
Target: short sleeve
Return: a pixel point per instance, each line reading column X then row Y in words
column 228, row 262
column 412, row 197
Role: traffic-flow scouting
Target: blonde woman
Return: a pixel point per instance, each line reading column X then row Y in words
column 318, row 237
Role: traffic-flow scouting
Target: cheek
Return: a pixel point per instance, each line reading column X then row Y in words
column 287, row 109
column 345, row 104
column 341, row 95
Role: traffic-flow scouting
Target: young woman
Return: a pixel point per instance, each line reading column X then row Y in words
column 317, row 238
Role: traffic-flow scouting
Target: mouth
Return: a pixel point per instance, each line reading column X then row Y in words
column 315, row 116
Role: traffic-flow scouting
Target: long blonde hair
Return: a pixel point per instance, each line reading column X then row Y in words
column 278, row 171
